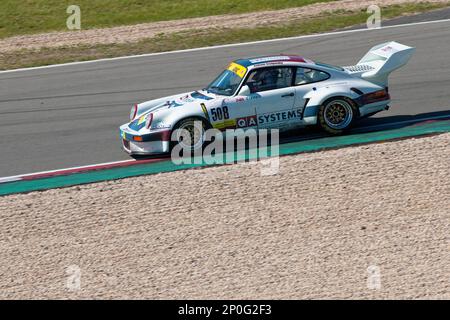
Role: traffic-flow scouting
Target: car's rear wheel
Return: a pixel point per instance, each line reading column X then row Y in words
column 337, row 115
column 189, row 134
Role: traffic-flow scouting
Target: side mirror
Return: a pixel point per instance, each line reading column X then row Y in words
column 245, row 91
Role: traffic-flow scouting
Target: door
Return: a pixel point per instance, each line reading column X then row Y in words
column 273, row 96
column 305, row 82
column 275, row 108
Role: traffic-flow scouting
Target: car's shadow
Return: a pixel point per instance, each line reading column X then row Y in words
column 371, row 124
column 399, row 121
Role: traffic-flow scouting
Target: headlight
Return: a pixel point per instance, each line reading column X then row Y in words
column 133, row 112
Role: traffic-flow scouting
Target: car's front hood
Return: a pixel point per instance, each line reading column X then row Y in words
column 195, row 96
column 176, row 101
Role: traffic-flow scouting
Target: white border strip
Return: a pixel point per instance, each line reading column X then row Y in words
column 224, row 46
column 20, row 177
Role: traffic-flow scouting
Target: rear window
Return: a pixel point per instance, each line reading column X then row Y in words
column 329, row 66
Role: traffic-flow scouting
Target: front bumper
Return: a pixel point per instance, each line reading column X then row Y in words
column 145, row 148
column 152, row 143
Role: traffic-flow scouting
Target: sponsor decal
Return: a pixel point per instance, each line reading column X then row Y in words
column 138, row 124
column 187, row 99
column 267, row 59
column 237, row 69
column 272, row 63
column 205, row 111
column 385, row 51
column 253, row 96
column 227, row 124
column 280, row 116
column 160, row 125
column 219, row 114
column 249, row 121
column 227, row 100
column 141, row 119
column 173, row 104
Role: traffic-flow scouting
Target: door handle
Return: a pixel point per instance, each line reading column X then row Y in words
column 288, row 95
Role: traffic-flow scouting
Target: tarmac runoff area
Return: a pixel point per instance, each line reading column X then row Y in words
column 368, row 221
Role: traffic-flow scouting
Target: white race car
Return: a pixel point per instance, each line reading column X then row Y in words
column 274, row 92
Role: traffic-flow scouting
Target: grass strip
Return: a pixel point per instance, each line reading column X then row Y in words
column 18, row 17
column 203, row 38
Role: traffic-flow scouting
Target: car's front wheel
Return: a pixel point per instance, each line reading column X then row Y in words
column 189, row 134
column 337, row 115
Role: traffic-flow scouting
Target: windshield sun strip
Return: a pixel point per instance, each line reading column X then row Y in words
column 237, row 69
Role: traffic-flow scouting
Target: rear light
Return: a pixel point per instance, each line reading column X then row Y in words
column 133, row 112
column 149, row 120
column 377, row 96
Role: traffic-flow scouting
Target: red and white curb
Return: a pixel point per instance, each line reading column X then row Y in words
column 67, row 171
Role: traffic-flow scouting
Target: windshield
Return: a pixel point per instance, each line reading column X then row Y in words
column 225, row 84
column 228, row 81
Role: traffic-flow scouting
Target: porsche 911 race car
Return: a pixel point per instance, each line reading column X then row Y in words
column 273, row 92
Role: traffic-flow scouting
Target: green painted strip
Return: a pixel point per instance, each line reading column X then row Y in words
column 370, row 137
column 167, row 166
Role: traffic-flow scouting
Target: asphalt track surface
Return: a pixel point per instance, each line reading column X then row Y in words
column 69, row 115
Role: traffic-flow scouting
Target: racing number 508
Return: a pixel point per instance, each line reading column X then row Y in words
column 218, row 114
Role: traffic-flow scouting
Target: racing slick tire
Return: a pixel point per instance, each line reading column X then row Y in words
column 196, row 128
column 337, row 115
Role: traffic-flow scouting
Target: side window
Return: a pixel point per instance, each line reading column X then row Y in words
column 306, row 75
column 270, row 79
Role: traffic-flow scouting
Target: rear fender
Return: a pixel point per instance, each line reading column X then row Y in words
column 315, row 98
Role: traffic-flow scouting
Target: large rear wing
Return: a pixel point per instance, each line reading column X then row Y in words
column 380, row 61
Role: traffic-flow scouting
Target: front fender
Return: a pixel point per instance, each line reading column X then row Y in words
column 168, row 118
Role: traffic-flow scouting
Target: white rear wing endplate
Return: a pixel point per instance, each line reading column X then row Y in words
column 380, row 61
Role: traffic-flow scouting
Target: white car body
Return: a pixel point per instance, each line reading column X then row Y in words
column 292, row 106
